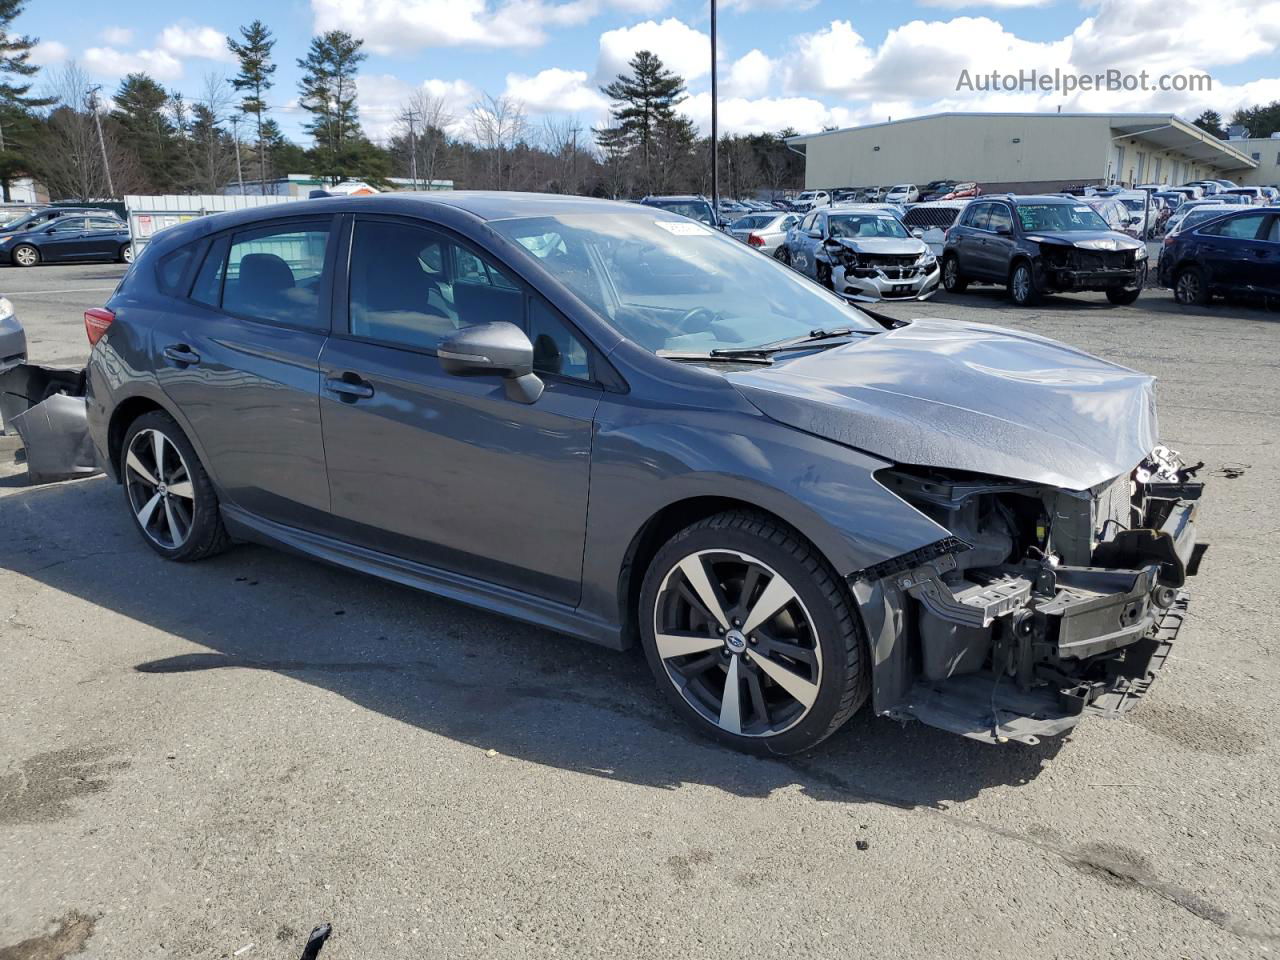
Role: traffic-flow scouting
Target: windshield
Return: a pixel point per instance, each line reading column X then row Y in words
column 693, row 209
column 1133, row 203
column 17, row 222
column 865, row 225
column 1059, row 217
column 678, row 286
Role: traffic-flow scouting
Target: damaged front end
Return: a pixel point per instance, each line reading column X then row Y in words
column 1044, row 605
column 46, row 408
column 1075, row 267
column 904, row 271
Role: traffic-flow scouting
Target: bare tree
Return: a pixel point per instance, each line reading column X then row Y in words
column 72, row 161
column 424, row 121
column 562, row 138
column 211, row 156
column 497, row 124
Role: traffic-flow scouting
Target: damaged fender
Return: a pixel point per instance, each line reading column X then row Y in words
column 46, row 408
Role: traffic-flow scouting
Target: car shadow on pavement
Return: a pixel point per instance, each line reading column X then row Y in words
column 1153, row 300
column 449, row 670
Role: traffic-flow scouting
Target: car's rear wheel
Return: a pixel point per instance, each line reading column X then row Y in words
column 1190, row 288
column 126, row 253
column 952, row 280
column 752, row 635
column 25, row 255
column 1022, row 285
column 170, row 496
column 782, row 254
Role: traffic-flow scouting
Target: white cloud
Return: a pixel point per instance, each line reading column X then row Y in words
column 744, row 5
column 382, row 98
column 765, row 114
column 1005, row 4
column 110, row 62
column 117, row 36
column 750, row 75
column 404, row 26
column 684, row 50
column 48, row 52
column 556, row 90
column 204, row 42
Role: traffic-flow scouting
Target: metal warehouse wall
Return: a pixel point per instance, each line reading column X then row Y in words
column 1267, row 172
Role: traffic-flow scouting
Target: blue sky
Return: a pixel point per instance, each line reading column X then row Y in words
column 805, row 64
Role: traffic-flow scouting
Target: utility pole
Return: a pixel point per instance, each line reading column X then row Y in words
column 102, row 143
column 715, row 126
column 573, row 162
column 235, row 136
column 410, row 116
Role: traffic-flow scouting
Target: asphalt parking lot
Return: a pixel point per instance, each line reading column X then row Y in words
column 208, row 760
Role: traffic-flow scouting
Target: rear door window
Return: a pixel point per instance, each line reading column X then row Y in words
column 999, row 217
column 1238, row 228
column 276, row 274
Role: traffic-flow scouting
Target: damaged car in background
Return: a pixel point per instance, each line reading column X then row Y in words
column 863, row 253
column 1038, row 245
column 796, row 506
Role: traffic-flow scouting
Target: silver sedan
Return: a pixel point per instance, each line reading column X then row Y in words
column 764, row 231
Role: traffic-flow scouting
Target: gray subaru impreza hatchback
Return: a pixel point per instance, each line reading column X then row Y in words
column 621, row 424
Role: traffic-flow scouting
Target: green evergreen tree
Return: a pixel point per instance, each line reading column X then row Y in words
column 253, row 51
column 1262, row 121
column 142, row 111
column 644, row 103
column 1211, row 122
column 328, row 88
column 18, row 123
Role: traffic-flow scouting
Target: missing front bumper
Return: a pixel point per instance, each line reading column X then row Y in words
column 46, row 408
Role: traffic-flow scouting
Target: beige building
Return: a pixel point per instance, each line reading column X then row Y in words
column 1023, row 152
column 1265, row 152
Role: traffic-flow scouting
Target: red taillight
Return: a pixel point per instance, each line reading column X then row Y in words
column 96, row 321
column 755, row 240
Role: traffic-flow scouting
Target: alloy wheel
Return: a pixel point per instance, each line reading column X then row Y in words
column 950, row 272
column 1188, row 289
column 1021, row 284
column 738, row 643
column 160, row 489
column 126, row 254
column 26, row 256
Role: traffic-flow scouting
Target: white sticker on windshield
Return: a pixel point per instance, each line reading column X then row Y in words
column 683, row 228
column 1083, row 209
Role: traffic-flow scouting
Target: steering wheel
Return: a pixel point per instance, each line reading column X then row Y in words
column 708, row 316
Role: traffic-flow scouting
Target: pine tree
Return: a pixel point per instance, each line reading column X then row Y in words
column 643, row 110
column 1211, row 122
column 17, row 122
column 254, row 80
column 142, row 110
column 328, row 88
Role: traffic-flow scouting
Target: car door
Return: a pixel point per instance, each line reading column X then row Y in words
column 1266, row 262
column 241, row 363
column 971, row 240
column 61, row 240
column 997, row 252
column 1231, row 251
column 799, row 244
column 103, row 238
column 447, row 470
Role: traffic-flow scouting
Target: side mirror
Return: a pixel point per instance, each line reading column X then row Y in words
column 917, row 232
column 1003, row 230
column 493, row 348
column 815, row 234
column 49, row 229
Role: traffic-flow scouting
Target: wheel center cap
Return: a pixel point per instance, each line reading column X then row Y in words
column 735, row 641
column 162, row 489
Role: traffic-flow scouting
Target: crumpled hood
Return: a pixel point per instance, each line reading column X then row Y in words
column 967, row 396
column 891, row 246
column 1087, row 239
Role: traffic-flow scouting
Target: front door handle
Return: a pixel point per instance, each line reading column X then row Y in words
column 349, row 390
column 181, row 353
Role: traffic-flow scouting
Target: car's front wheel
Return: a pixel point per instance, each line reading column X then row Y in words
column 952, row 280
column 782, row 254
column 126, row 253
column 1022, row 285
column 25, row 255
column 170, row 496
column 752, row 635
column 1190, row 288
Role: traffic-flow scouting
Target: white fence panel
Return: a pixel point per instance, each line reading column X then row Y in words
column 148, row 215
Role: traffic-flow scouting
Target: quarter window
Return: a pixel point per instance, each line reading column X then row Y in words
column 976, row 215
column 275, row 274
column 1239, row 228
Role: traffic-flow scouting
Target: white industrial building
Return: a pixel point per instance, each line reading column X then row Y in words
column 1025, row 152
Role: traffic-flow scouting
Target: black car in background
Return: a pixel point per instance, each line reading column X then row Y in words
column 694, row 207
column 59, row 235
column 1238, row 253
column 1041, row 244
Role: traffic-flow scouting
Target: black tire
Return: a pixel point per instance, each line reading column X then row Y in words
column 1190, row 288
column 821, row 615
column 24, row 255
column 953, row 281
column 126, row 253
column 1022, row 284
column 1122, row 296
column 822, row 272
column 782, row 254
column 204, row 534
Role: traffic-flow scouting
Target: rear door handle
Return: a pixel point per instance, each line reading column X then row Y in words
column 181, row 353
column 349, row 389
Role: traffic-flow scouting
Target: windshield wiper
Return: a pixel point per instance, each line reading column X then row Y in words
column 715, row 355
column 764, row 349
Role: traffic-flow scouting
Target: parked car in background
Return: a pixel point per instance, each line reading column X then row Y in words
column 1172, row 199
column 931, row 219
column 936, row 189
column 13, row 341
column 793, row 509
column 1237, row 253
column 29, row 219
column 863, row 253
column 1255, row 195
column 694, row 207
column 1194, row 214
column 903, row 193
column 1115, row 213
column 873, row 194
column 731, row 209
column 764, row 231
column 1208, row 188
column 1143, row 212
column 1190, row 193
column 1042, row 244
column 67, row 238
column 811, row 199
column 963, row 191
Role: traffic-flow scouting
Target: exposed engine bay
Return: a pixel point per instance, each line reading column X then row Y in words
column 1043, row 605
column 1069, row 267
